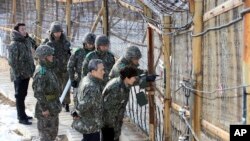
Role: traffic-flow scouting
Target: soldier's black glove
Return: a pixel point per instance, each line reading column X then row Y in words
column 151, row 77
column 74, row 84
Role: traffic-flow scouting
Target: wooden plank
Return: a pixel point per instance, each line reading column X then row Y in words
column 98, row 18
column 222, row 8
column 76, row 1
column 216, row 131
column 128, row 6
column 177, row 108
column 5, row 29
column 155, row 28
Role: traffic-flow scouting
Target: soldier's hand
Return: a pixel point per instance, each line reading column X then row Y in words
column 46, row 113
column 76, row 118
column 74, row 115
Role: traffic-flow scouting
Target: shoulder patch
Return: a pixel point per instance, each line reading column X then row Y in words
column 122, row 65
column 42, row 70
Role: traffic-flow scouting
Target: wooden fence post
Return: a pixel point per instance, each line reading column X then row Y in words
column 151, row 95
column 166, row 52
column 68, row 18
column 38, row 22
column 105, row 17
column 197, row 66
column 246, row 59
column 13, row 20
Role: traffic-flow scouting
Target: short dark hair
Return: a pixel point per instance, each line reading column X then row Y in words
column 16, row 27
column 93, row 64
column 128, row 72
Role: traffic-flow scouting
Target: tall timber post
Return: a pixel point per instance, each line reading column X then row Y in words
column 151, row 90
column 13, row 20
column 197, row 66
column 246, row 59
column 68, row 18
column 105, row 17
column 166, row 22
column 38, row 21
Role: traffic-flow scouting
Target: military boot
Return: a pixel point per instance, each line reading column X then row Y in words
column 67, row 107
column 25, row 121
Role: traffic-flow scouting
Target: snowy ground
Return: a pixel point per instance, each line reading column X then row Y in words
column 9, row 122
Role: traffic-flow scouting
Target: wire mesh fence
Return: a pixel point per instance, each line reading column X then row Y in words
column 223, row 69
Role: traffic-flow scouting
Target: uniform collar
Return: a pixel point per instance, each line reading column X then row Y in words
column 123, row 84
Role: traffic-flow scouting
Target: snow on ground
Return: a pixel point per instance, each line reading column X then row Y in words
column 8, row 123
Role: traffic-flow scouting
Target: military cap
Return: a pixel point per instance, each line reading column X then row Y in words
column 43, row 51
column 133, row 52
column 89, row 38
column 101, row 40
column 55, row 27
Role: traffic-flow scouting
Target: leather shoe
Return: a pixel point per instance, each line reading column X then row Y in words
column 67, row 107
column 25, row 122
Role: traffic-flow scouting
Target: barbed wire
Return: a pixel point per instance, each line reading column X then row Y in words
column 214, row 91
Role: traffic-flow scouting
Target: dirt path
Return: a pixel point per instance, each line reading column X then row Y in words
column 6, row 101
column 4, row 66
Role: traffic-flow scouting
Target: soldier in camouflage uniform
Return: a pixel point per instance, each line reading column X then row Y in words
column 131, row 58
column 74, row 66
column 115, row 98
column 102, row 45
column 46, row 91
column 22, row 68
column 89, row 106
column 57, row 40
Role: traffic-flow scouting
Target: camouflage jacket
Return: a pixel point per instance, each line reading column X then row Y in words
column 122, row 63
column 20, row 57
column 33, row 42
column 115, row 98
column 75, row 63
column 61, row 53
column 89, row 106
column 108, row 61
column 46, row 91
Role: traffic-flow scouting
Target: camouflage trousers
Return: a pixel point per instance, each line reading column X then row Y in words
column 48, row 128
column 63, row 79
column 75, row 90
column 118, row 127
